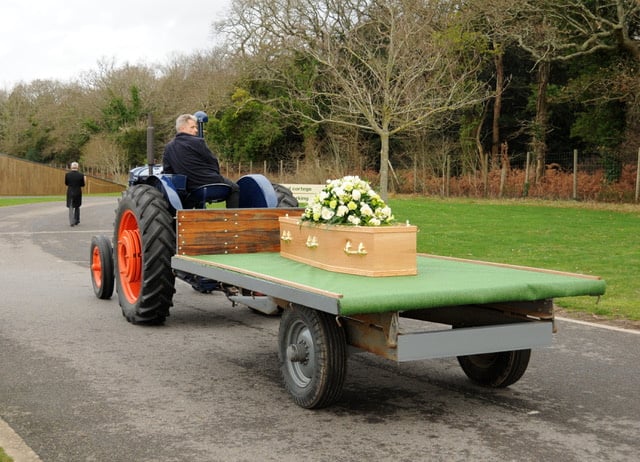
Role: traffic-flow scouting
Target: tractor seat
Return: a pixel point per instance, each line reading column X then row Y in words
column 206, row 194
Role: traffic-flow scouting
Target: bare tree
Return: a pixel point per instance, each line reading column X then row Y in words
column 386, row 67
column 42, row 121
column 103, row 155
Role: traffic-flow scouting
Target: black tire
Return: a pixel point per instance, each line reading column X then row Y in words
column 312, row 353
column 144, row 234
column 285, row 196
column 101, row 265
column 496, row 370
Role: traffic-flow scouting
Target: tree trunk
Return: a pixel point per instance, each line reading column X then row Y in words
column 504, row 167
column 540, row 126
column 497, row 104
column 384, row 164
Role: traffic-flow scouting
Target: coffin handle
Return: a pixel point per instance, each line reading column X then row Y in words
column 286, row 236
column 359, row 251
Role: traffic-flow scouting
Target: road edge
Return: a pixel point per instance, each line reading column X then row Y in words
column 599, row 324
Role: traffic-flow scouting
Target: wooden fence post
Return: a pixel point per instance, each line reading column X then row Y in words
column 415, row 173
column 485, row 175
column 504, row 165
column 448, row 173
column 525, row 193
column 638, row 177
column 575, row 174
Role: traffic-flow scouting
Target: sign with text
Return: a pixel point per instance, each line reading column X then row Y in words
column 304, row 192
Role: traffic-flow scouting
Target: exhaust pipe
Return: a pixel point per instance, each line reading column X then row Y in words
column 150, row 160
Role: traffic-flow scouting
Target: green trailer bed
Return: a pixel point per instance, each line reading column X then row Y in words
column 440, row 282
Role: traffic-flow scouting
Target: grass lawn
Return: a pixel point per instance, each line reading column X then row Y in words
column 595, row 239
column 4, row 457
column 7, row 201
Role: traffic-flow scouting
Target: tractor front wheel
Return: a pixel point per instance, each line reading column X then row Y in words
column 145, row 242
column 101, row 264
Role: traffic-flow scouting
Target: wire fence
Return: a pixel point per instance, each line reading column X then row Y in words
column 564, row 176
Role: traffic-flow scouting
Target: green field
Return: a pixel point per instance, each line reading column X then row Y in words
column 7, row 201
column 4, row 457
column 592, row 239
column 595, row 239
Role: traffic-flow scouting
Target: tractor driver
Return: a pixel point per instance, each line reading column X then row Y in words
column 188, row 154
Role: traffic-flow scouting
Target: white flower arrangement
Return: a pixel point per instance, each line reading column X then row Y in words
column 348, row 201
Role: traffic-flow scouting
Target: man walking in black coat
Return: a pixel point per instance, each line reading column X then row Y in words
column 74, row 180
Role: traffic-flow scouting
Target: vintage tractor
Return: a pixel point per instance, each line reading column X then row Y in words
column 138, row 263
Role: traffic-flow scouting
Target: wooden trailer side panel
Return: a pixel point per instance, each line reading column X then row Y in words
column 221, row 231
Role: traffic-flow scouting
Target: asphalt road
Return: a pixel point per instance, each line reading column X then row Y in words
column 79, row 383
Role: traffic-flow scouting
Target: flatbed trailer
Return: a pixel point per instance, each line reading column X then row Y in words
column 487, row 315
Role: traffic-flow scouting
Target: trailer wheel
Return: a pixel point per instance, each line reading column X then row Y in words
column 496, row 370
column 145, row 242
column 101, row 263
column 312, row 353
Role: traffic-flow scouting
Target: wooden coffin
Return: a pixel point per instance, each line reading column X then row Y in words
column 362, row 250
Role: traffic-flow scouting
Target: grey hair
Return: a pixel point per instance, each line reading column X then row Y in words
column 74, row 166
column 182, row 120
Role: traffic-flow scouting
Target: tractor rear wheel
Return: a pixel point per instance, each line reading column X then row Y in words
column 145, row 242
column 285, row 196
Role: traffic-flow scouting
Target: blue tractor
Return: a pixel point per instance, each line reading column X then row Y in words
column 138, row 263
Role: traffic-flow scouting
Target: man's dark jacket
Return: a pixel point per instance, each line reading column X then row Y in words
column 189, row 155
column 74, row 181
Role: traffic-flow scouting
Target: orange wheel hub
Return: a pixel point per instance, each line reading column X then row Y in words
column 96, row 267
column 129, row 256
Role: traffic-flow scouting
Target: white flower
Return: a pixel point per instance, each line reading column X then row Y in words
column 385, row 212
column 327, row 213
column 342, row 210
column 366, row 210
column 354, row 220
